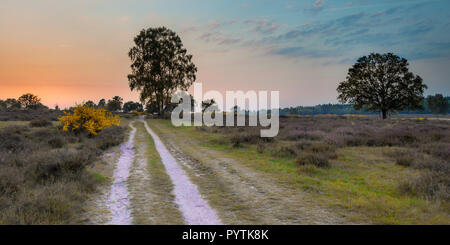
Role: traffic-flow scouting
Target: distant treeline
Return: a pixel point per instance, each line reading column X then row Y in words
column 341, row 109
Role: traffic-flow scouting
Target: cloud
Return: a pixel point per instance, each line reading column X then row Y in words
column 417, row 28
column 227, row 40
column 338, row 36
column 219, row 38
column 318, row 4
column 299, row 51
column 316, row 7
column 216, row 24
column 264, row 26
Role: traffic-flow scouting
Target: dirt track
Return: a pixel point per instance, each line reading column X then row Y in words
column 163, row 177
column 240, row 194
column 149, row 187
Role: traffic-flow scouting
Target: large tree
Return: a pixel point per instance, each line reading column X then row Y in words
column 437, row 104
column 28, row 100
column 383, row 83
column 160, row 66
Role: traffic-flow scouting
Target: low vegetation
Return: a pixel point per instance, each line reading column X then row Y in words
column 29, row 114
column 44, row 174
column 331, row 152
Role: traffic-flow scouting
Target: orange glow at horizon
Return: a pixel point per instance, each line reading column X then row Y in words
column 67, row 95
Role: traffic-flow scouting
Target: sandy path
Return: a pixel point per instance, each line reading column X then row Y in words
column 195, row 210
column 150, row 187
column 118, row 201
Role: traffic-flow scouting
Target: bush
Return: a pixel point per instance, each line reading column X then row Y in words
column 326, row 150
column 404, row 161
column 431, row 185
column 40, row 123
column 57, row 164
column 285, row 151
column 439, row 149
column 14, row 142
column 245, row 135
column 91, row 120
column 260, row 147
column 10, row 181
column 317, row 160
column 110, row 137
column 56, row 142
column 136, row 112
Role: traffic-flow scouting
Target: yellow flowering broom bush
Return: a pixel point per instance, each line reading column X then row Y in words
column 87, row 118
column 136, row 112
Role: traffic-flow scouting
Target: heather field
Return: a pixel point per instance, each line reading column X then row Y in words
column 46, row 174
column 323, row 169
column 364, row 169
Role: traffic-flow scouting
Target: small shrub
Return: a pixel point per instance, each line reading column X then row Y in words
column 405, row 161
column 439, row 149
column 260, row 147
column 43, row 134
column 317, row 160
column 110, row 137
column 59, row 164
column 285, row 151
column 323, row 149
column 308, row 169
column 14, row 142
column 432, row 185
column 11, row 180
column 433, row 165
column 56, row 142
column 238, row 138
column 40, row 123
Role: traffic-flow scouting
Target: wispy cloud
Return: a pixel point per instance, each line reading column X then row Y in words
column 335, row 36
column 262, row 25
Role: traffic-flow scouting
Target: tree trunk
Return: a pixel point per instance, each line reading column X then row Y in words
column 384, row 112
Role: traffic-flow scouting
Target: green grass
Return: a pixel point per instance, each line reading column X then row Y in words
column 100, row 177
column 361, row 184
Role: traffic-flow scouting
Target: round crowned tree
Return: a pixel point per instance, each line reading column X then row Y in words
column 383, row 83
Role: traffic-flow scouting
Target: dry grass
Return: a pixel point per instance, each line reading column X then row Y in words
column 44, row 177
column 353, row 165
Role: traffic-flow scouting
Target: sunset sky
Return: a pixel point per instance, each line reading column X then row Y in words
column 76, row 50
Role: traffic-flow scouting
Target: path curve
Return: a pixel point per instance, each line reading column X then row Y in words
column 194, row 208
column 118, row 201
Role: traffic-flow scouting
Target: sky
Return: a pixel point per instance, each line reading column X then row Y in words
column 72, row 51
